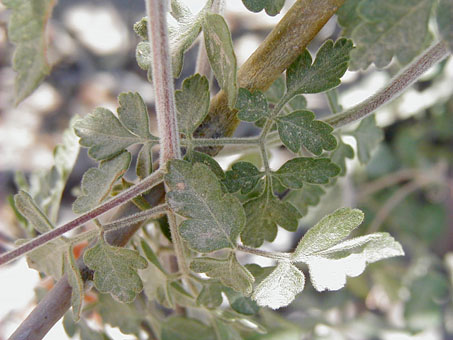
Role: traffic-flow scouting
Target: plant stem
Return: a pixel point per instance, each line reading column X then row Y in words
column 135, row 218
column 223, row 141
column 163, row 80
column 263, row 253
column 121, row 198
column 401, row 81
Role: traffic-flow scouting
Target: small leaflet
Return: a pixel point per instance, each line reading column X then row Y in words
column 368, row 135
column 309, row 195
column 444, row 16
column 106, row 136
column 272, row 7
column 264, row 214
column 297, row 171
column 339, row 155
column 387, row 30
column 219, row 48
column 200, row 157
column 27, row 30
column 281, row 287
column 144, row 166
column 27, row 207
column 115, row 270
column 300, row 128
column 214, row 219
column 240, row 303
column 229, row 271
column 210, row 295
column 192, row 103
column 243, row 176
column 251, row 106
column 76, row 282
column 98, row 182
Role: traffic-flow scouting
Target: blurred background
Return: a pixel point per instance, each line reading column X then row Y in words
column 406, row 188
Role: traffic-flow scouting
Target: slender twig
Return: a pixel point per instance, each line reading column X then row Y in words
column 163, row 80
column 114, row 202
column 135, row 218
column 398, row 84
column 263, row 253
column 223, row 141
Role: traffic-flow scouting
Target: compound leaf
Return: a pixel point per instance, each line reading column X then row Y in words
column 251, row 106
column 76, row 282
column 390, row 28
column 243, row 176
column 98, row 182
column 192, row 103
column 330, row 267
column 329, row 231
column 444, row 18
column 214, row 219
column 297, row 171
column 115, row 270
column 26, row 29
column 229, row 271
column 263, row 214
column 281, row 287
column 329, row 66
column 272, row 7
column 368, row 136
column 181, row 328
column 219, row 48
column 300, row 128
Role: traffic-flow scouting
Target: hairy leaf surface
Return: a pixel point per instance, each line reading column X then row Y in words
column 26, row 29
column 76, row 282
column 27, row 207
column 115, row 270
column 281, row 287
column 219, row 48
column 98, row 182
column 251, row 106
column 272, row 7
column 229, row 271
column 300, row 128
column 243, row 176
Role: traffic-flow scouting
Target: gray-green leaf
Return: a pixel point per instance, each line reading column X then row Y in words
column 98, row 182
column 219, row 48
column 27, row 207
column 76, row 282
column 133, row 114
column 340, row 154
column 229, row 271
column 243, row 176
column 300, row 128
column 115, row 270
column 272, row 7
column 181, row 328
column 192, row 103
column 214, row 219
column 251, row 106
column 444, row 18
column 211, row 295
column 281, row 287
column 297, row 171
column 309, row 195
column 390, row 28
column 144, row 165
column 368, row 136
column 27, row 30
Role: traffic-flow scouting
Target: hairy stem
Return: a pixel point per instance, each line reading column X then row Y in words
column 223, row 141
column 263, row 253
column 398, row 84
column 114, row 202
column 163, row 80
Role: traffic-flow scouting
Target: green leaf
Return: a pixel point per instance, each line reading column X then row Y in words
column 144, row 165
column 214, row 219
column 340, row 154
column 192, row 103
column 200, row 157
column 27, row 207
column 76, row 282
column 27, row 30
column 329, row 66
column 329, row 231
column 310, row 195
column 224, row 331
column 348, row 16
column 330, row 267
column 251, row 106
column 115, row 270
column 300, row 128
column 272, row 7
column 181, row 328
column 229, row 271
column 106, row 136
column 281, row 287
column 98, row 182
column 368, row 136
column 154, row 280
column 243, row 176
column 444, row 18
column 390, row 28
column 263, row 214
column 240, row 303
column 219, row 48
column 151, row 256
column 297, row 171
column 211, row 295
